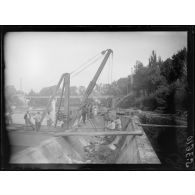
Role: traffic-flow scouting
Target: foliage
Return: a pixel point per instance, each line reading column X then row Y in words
column 159, row 85
column 176, row 67
column 12, row 97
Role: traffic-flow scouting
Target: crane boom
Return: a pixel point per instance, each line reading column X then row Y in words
column 96, row 76
column 52, row 98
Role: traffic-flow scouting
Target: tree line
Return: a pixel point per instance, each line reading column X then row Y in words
column 159, row 85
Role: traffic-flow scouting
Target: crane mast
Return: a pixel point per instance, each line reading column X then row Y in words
column 96, row 76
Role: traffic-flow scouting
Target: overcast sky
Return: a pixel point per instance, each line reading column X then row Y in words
column 38, row 59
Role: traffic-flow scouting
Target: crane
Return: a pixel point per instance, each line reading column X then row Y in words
column 66, row 79
column 92, row 84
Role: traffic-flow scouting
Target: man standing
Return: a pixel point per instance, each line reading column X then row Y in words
column 84, row 113
column 8, row 115
column 49, row 119
column 94, row 111
column 113, row 144
column 111, row 125
column 91, row 111
column 37, row 121
column 27, row 117
column 118, row 123
column 9, row 120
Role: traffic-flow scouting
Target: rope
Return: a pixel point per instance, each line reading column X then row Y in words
column 108, row 73
column 84, row 63
column 75, row 74
column 111, row 67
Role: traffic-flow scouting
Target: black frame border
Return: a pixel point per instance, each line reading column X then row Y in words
column 94, row 28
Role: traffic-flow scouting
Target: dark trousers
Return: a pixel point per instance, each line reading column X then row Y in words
column 84, row 117
column 37, row 126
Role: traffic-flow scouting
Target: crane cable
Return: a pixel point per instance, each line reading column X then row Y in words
column 111, row 67
column 87, row 62
column 75, row 74
column 108, row 73
column 110, row 70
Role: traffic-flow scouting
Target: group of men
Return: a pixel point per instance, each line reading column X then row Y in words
column 114, row 124
column 88, row 111
column 28, row 120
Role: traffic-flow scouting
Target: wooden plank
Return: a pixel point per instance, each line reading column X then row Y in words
column 100, row 133
column 168, row 126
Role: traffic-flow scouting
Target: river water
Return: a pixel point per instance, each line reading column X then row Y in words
column 168, row 143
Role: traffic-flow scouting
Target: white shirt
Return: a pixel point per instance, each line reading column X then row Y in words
column 111, row 125
column 49, row 117
column 37, row 117
column 118, row 124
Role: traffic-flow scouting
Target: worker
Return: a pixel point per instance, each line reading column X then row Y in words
column 84, row 113
column 95, row 111
column 111, row 125
column 8, row 117
column 49, row 119
column 118, row 123
column 37, row 119
column 91, row 111
column 88, row 109
column 118, row 126
column 27, row 117
column 106, row 118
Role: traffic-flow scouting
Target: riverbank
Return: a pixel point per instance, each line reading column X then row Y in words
column 168, row 143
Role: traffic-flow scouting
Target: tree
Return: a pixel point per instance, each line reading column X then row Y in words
column 166, row 70
column 11, row 97
column 10, row 90
column 48, row 91
column 139, row 78
column 122, row 84
column 179, row 62
column 32, row 93
column 176, row 67
column 152, row 59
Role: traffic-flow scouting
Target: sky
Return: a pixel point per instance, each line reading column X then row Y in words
column 34, row 60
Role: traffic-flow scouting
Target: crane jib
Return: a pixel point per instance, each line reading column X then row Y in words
column 96, row 76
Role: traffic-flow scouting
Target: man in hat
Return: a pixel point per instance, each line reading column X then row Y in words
column 37, row 119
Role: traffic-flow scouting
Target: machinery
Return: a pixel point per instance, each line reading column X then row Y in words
column 65, row 78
